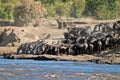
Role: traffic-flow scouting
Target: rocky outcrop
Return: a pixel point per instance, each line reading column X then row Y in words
column 110, row 59
column 14, row 36
column 8, row 37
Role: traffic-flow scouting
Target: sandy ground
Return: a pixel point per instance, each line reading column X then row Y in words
column 8, row 50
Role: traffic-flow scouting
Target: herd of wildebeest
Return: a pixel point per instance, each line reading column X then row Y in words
column 82, row 40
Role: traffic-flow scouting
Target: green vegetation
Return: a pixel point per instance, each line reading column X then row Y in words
column 98, row 9
column 118, row 9
column 77, row 8
column 101, row 9
column 7, row 8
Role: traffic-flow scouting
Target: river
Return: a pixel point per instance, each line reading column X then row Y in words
column 56, row 70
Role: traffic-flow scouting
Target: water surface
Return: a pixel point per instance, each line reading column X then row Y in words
column 56, row 70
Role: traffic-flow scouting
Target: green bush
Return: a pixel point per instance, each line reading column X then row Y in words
column 117, row 9
column 7, row 8
column 101, row 9
column 77, row 8
column 62, row 9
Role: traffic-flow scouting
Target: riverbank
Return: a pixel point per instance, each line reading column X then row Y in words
column 105, row 57
column 52, row 57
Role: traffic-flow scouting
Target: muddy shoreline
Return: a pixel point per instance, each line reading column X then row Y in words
column 106, row 57
column 52, row 57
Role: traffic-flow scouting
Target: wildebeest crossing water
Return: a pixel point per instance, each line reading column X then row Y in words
column 77, row 41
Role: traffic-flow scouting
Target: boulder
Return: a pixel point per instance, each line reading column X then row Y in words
column 110, row 59
column 8, row 37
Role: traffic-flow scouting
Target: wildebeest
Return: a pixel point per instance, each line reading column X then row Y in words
column 79, row 41
column 52, row 49
column 29, row 48
column 116, row 27
column 103, row 27
column 22, row 48
column 36, row 48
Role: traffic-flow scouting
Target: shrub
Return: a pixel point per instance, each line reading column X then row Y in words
column 28, row 12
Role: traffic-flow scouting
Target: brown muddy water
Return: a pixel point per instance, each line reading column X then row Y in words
column 56, row 70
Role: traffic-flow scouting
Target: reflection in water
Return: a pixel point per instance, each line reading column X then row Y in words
column 56, row 70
